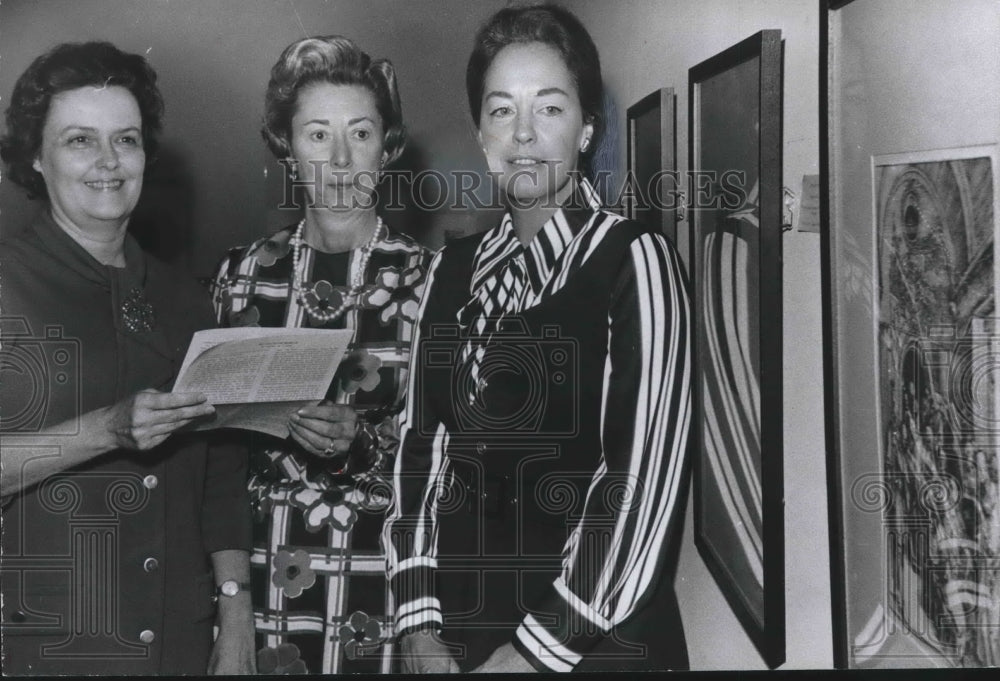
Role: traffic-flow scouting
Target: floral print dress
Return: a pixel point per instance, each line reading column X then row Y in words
column 318, row 569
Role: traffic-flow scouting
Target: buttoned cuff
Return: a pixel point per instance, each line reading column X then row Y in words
column 559, row 647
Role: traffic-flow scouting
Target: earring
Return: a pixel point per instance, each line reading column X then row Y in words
column 293, row 169
column 586, row 143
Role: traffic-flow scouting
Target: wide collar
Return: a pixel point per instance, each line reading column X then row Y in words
column 543, row 252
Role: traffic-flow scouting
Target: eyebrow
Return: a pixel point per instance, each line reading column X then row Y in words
column 324, row 121
column 87, row 128
column 541, row 93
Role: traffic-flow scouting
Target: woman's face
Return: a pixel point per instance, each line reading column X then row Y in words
column 92, row 157
column 532, row 126
column 338, row 145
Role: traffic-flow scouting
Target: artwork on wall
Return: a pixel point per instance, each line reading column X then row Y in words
column 735, row 260
column 655, row 194
column 911, row 348
column 937, row 350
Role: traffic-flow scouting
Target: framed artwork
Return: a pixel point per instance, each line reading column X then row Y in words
column 735, row 259
column 911, row 342
column 652, row 162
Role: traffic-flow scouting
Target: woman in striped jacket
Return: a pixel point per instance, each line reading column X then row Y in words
column 539, row 488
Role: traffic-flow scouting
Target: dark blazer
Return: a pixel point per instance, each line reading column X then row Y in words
column 106, row 567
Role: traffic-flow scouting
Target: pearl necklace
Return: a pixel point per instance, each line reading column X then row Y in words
column 298, row 277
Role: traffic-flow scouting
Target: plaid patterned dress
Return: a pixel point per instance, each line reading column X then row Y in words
column 317, row 569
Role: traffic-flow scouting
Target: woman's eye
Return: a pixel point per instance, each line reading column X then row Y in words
column 362, row 134
column 79, row 141
column 130, row 140
column 551, row 110
column 501, row 111
column 318, row 136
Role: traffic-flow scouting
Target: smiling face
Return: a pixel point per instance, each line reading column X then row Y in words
column 92, row 157
column 337, row 132
column 532, row 125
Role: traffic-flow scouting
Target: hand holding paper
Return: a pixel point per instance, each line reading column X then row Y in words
column 257, row 377
column 324, row 429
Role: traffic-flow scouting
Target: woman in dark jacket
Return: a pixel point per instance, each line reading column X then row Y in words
column 121, row 537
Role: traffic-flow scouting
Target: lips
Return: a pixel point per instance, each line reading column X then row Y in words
column 105, row 185
column 525, row 161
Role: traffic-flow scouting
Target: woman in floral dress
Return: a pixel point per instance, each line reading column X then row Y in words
column 333, row 118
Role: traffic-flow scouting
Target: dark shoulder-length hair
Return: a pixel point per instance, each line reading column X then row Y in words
column 336, row 60
column 66, row 67
column 551, row 25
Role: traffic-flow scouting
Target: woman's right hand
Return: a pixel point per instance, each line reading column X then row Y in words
column 147, row 418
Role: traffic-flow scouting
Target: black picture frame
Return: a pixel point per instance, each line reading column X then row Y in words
column 651, row 129
column 735, row 156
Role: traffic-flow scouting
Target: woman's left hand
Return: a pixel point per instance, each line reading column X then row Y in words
column 325, row 429
column 504, row 659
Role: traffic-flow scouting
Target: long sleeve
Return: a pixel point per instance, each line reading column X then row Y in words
column 410, row 532
column 225, row 514
column 612, row 558
column 226, row 520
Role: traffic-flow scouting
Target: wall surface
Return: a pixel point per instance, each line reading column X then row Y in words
column 652, row 45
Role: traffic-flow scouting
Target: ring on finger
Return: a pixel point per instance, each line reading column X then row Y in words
column 329, row 451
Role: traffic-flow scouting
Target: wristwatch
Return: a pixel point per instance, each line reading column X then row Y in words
column 230, row 588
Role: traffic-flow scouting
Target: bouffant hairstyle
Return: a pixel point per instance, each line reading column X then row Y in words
column 551, row 25
column 69, row 66
column 338, row 61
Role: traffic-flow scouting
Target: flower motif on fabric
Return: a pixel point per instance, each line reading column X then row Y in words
column 324, row 296
column 320, row 508
column 271, row 251
column 248, row 316
column 361, row 636
column 281, row 660
column 292, row 572
column 396, row 293
column 359, row 369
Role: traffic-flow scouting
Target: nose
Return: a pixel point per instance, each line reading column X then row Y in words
column 340, row 155
column 109, row 156
column 524, row 128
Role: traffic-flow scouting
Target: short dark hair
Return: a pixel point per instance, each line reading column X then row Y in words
column 69, row 66
column 551, row 25
column 329, row 59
